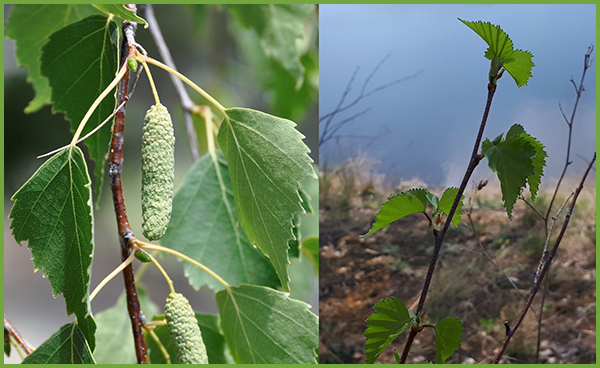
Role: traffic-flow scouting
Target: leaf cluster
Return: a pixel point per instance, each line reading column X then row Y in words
column 413, row 201
column 391, row 318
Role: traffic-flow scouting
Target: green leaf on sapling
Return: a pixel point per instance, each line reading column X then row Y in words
column 502, row 53
column 538, row 160
column 446, row 204
column 400, row 205
column 391, row 318
column 511, row 159
column 448, row 335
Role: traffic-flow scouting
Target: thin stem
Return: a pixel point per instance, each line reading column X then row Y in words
column 144, row 245
column 99, row 99
column 151, row 80
column 164, row 273
column 162, row 348
column 111, row 275
column 15, row 334
column 210, row 138
column 87, row 135
column 185, row 79
column 474, row 161
column 536, row 285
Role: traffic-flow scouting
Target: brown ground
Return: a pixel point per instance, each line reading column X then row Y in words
column 355, row 273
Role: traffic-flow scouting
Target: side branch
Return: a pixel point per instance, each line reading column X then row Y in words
column 536, row 285
column 115, row 161
column 14, row 333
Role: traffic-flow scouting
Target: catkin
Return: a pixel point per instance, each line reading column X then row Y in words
column 158, row 171
column 185, row 333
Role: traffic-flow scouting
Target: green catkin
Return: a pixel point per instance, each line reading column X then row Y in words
column 185, row 333
column 158, row 171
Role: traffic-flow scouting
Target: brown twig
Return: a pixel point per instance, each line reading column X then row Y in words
column 14, row 333
column 115, row 160
column 547, row 264
column 578, row 90
column 474, row 161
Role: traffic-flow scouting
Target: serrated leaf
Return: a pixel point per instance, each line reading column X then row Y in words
column 278, row 26
column 306, row 201
column 499, row 43
column 52, row 211
column 263, row 325
column 448, row 335
column 433, row 200
column 310, row 250
column 114, row 337
column 517, row 62
column 30, row 25
column 80, row 61
column 400, row 205
column 212, row 335
column 266, row 159
column 122, row 12
column 205, row 197
column 511, row 159
column 391, row 318
column 446, row 204
column 65, row 346
column 538, row 161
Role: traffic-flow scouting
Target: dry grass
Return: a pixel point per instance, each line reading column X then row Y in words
column 356, row 272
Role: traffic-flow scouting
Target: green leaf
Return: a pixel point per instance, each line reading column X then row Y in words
column 80, row 61
column 396, row 356
column 278, row 26
column 539, row 160
column 391, row 318
column 52, row 211
column 294, row 244
column 262, row 325
column 212, row 335
column 30, row 25
column 114, row 337
column 204, row 227
column 511, row 159
column 306, row 202
column 500, row 45
column 520, row 68
column 446, row 204
column 266, row 158
column 448, row 335
column 6, row 343
column 502, row 53
column 65, row 346
column 122, row 12
column 400, row 205
column 310, row 249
